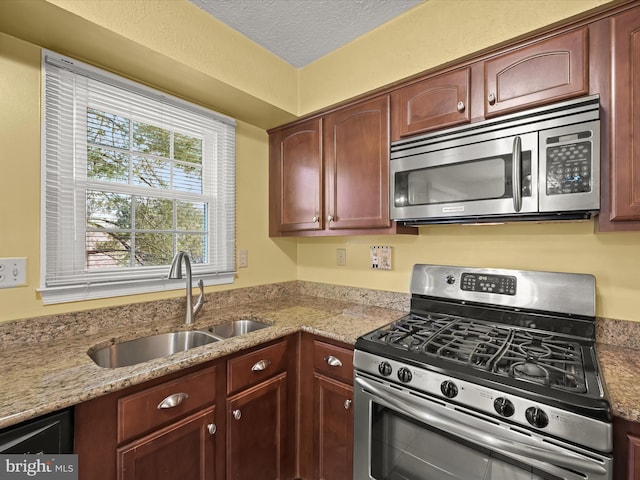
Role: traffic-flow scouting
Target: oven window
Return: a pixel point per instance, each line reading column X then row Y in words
column 403, row 449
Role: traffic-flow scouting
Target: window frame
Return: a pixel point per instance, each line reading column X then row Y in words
column 83, row 284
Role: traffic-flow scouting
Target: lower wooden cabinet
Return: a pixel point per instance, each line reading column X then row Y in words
column 162, row 430
column 257, row 431
column 332, row 429
column 325, row 449
column 184, row 450
column 281, row 411
column 260, row 412
column 626, row 449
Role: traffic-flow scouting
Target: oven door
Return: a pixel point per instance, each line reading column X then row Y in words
column 401, row 434
column 491, row 177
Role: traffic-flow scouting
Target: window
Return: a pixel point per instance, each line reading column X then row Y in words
column 130, row 177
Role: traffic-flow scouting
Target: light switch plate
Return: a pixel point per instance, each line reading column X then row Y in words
column 13, row 272
column 243, row 258
column 341, row 257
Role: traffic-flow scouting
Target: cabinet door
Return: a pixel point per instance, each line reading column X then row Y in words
column 544, row 72
column 296, row 181
column 184, row 450
column 633, row 465
column 333, row 429
column 438, row 102
column 625, row 125
column 257, row 433
column 356, row 153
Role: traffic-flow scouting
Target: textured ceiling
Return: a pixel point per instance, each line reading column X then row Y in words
column 301, row 31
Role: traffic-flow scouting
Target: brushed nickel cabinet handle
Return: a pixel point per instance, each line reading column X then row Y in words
column 347, row 404
column 315, row 219
column 460, row 107
column 330, row 218
column 237, row 414
column 173, row 400
column 491, row 98
column 212, row 429
column 261, row 365
column 333, row 361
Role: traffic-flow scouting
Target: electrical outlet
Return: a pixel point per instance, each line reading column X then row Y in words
column 341, row 257
column 243, row 258
column 13, row 272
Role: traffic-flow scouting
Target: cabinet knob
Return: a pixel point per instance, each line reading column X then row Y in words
column 261, row 365
column 211, row 428
column 237, row 414
column 315, row 219
column 330, row 218
column 491, row 98
column 461, row 107
column 333, row 361
column 347, row 404
column 173, row 400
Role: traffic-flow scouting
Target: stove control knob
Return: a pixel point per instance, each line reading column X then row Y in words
column 536, row 417
column 404, row 375
column 448, row 389
column 504, row 406
column 385, row 369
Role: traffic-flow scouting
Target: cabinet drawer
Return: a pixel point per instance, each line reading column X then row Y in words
column 143, row 411
column 257, row 366
column 334, row 361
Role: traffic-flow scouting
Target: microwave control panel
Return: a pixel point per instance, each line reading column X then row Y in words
column 500, row 284
column 569, row 164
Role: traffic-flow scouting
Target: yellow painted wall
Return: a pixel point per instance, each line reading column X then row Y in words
column 431, row 34
column 426, row 36
column 614, row 258
column 20, row 194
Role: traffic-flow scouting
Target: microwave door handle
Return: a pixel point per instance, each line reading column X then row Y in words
column 521, row 449
column 516, row 174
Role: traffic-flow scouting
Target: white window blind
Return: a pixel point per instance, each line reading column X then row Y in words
column 130, row 176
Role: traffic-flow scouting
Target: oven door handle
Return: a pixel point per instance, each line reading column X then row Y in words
column 445, row 423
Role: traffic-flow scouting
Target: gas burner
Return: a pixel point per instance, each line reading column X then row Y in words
column 529, row 369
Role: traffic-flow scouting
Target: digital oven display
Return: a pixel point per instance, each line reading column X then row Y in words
column 500, row 284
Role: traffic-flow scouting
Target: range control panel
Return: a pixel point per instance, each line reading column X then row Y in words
column 500, row 284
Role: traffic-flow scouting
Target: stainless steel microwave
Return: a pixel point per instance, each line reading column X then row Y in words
column 538, row 165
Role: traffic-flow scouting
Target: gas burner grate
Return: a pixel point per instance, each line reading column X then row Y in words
column 545, row 359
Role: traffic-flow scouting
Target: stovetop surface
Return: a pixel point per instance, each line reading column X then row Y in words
column 542, row 358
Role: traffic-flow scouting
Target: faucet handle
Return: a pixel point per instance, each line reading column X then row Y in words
column 200, row 301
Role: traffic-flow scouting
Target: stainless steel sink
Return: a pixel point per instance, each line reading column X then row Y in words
column 148, row 348
column 236, row 327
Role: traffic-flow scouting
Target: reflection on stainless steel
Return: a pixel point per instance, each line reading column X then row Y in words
column 176, row 273
column 236, row 327
column 144, row 349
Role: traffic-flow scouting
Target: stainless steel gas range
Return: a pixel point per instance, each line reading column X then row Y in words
column 493, row 375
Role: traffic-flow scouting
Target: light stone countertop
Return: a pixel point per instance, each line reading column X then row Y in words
column 44, row 376
column 45, row 366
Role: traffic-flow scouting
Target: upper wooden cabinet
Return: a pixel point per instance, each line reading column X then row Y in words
column 296, row 178
column 625, row 118
column 543, row 72
column 330, row 175
column 356, row 155
column 437, row 102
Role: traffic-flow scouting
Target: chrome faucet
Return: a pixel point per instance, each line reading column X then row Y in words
column 176, row 273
